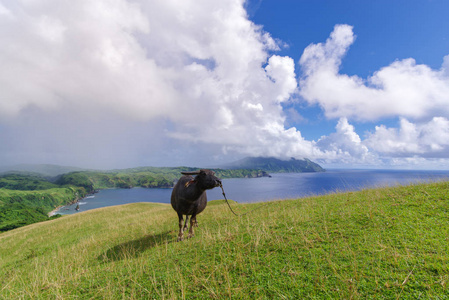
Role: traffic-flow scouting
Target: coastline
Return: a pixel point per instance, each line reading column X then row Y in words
column 53, row 212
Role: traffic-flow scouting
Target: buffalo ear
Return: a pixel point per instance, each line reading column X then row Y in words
column 191, row 173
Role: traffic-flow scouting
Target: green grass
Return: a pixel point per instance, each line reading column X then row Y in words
column 386, row 243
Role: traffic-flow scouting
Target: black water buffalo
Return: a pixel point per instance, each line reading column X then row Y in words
column 189, row 197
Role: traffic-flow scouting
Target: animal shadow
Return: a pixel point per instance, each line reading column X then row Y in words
column 135, row 247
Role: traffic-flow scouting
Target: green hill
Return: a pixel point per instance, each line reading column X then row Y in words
column 48, row 170
column 271, row 164
column 25, row 182
column 387, row 243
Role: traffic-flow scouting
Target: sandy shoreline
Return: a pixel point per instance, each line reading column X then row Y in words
column 53, row 212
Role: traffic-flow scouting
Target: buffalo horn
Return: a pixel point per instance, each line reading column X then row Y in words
column 191, row 173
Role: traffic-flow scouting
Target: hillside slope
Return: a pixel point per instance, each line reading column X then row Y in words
column 271, row 164
column 384, row 243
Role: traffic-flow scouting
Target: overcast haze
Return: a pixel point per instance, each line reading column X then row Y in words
column 115, row 84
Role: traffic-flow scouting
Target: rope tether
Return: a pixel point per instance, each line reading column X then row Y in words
column 224, row 195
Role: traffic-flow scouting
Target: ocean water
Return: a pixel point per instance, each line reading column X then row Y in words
column 279, row 186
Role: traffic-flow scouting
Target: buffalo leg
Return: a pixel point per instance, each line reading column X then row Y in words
column 181, row 234
column 192, row 222
column 195, row 222
column 187, row 222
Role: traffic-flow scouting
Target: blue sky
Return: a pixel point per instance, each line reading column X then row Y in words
column 386, row 31
column 101, row 84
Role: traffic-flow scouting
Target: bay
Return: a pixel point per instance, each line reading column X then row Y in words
column 279, row 186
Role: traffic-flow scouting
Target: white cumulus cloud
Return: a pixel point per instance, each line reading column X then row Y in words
column 429, row 139
column 198, row 69
column 403, row 88
column 345, row 143
column 415, row 93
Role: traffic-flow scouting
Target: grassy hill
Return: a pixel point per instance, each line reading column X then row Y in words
column 387, row 243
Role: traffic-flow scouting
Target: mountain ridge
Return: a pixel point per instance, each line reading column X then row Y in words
column 272, row 164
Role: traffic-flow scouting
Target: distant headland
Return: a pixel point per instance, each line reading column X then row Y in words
column 275, row 165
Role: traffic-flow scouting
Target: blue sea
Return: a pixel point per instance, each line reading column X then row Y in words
column 279, row 186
